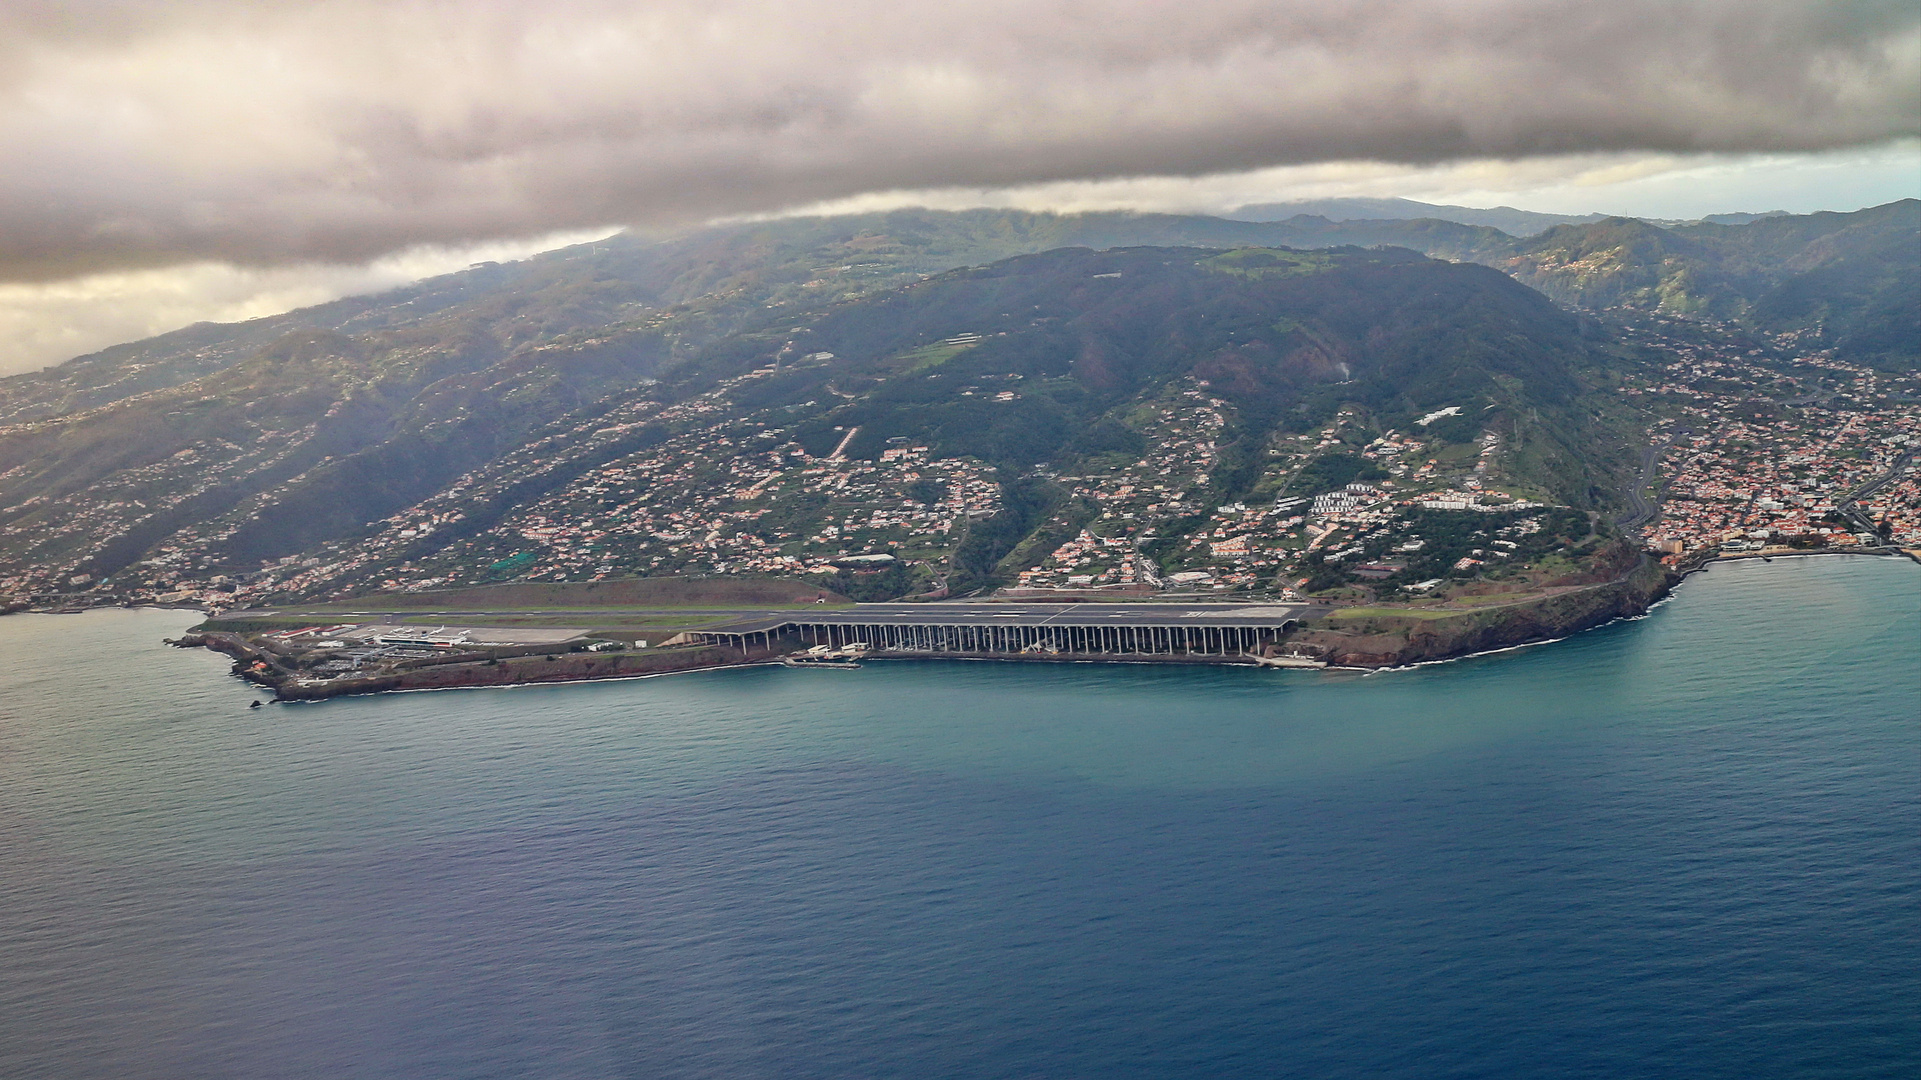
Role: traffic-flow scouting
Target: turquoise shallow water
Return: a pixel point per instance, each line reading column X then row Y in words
column 1681, row 846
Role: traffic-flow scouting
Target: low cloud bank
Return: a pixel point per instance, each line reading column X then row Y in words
column 260, row 135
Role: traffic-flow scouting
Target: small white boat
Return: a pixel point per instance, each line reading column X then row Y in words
column 1290, row 661
column 825, row 662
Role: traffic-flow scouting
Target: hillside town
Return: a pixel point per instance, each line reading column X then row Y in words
column 721, row 494
column 1759, row 449
column 1741, row 474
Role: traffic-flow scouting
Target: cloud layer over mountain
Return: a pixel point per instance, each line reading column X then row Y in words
column 142, row 133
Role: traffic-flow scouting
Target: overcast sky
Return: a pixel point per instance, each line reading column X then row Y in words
column 170, row 161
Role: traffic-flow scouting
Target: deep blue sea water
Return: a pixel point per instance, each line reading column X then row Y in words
column 1686, row 846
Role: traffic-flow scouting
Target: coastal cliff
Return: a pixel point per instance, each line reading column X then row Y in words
column 1389, row 637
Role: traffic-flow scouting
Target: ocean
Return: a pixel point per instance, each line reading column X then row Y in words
column 1687, row 845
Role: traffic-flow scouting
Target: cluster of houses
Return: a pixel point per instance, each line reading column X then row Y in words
column 1739, row 480
column 733, row 493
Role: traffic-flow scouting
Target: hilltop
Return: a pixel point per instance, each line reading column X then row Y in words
column 1846, row 282
column 1505, row 218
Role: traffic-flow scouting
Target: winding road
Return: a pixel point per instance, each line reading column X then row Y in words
column 1641, row 509
column 1851, row 506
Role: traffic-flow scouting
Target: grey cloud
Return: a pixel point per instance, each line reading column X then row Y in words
column 148, row 133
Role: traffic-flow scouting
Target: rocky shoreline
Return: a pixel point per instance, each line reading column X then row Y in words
column 1394, row 639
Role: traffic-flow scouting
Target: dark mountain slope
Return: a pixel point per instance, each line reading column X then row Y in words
column 1287, row 337
column 1850, row 281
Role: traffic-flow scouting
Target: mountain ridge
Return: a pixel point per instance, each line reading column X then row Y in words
column 1518, row 223
column 588, row 287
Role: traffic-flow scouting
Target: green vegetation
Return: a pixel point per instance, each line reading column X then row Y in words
column 1329, row 472
column 1351, row 614
column 1852, row 280
column 1259, row 263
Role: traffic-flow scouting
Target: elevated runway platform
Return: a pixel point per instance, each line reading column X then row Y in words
column 1016, row 629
